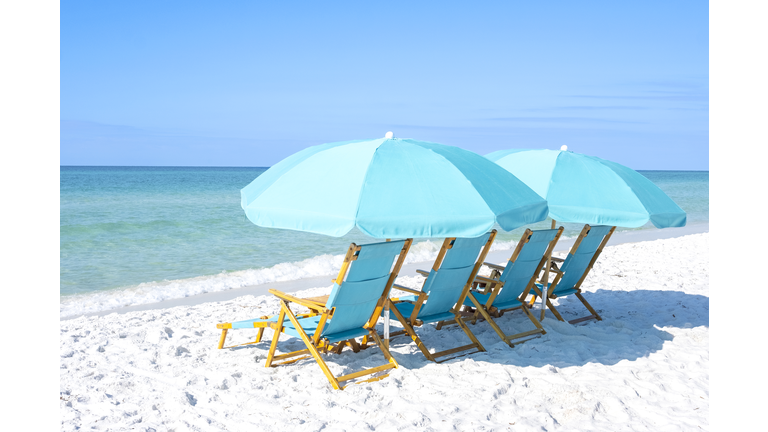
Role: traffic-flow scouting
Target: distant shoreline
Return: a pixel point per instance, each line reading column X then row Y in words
column 266, row 167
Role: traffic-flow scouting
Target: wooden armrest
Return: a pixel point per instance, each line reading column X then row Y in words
column 320, row 300
column 422, row 272
column 489, row 283
column 479, row 278
column 412, row 291
column 494, row 266
column 303, row 302
column 552, row 270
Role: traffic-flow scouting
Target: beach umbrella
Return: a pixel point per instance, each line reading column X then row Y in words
column 390, row 188
column 587, row 189
column 590, row 190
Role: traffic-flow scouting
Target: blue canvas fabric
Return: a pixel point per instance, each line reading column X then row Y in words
column 575, row 265
column 587, row 189
column 390, row 188
column 356, row 298
column 249, row 323
column 517, row 275
column 444, row 286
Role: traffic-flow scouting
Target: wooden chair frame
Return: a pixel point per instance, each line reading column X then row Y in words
column 493, row 286
column 559, row 274
column 313, row 303
column 412, row 321
column 317, row 344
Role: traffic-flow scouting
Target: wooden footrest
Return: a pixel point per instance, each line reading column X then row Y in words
column 586, row 318
column 366, row 372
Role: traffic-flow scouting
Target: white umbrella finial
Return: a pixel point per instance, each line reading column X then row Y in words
column 389, row 135
column 563, row 147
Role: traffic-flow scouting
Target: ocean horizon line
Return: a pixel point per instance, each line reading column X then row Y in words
column 267, row 167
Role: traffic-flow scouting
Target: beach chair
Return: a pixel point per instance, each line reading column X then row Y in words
column 574, row 269
column 351, row 311
column 443, row 291
column 510, row 285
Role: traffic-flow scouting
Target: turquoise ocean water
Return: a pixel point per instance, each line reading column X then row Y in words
column 142, row 234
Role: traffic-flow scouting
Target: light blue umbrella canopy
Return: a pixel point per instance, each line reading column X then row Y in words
column 390, row 188
column 590, row 190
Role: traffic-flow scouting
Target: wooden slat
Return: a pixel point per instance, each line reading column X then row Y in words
column 299, row 301
column 365, row 372
column 578, row 320
column 373, row 379
column 455, row 350
column 524, row 334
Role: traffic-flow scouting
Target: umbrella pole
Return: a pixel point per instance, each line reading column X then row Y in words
column 545, row 282
column 386, row 320
column 386, row 324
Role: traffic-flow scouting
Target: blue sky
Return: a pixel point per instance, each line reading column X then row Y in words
column 249, row 83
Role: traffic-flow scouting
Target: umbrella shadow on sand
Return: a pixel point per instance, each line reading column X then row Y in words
column 635, row 324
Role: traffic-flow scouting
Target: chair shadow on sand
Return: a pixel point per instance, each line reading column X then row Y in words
column 632, row 328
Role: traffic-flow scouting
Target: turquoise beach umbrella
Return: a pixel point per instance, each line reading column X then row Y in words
column 590, row 190
column 390, row 188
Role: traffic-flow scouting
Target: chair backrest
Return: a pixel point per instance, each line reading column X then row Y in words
column 531, row 255
column 367, row 278
column 458, row 268
column 582, row 255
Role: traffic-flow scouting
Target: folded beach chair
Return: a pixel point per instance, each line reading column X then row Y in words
column 443, row 291
column 510, row 285
column 575, row 267
column 352, row 309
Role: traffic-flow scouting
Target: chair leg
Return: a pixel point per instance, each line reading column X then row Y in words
column 538, row 293
column 551, row 307
column 475, row 344
column 223, row 338
column 469, row 333
column 509, row 338
column 533, row 319
column 594, row 313
column 409, row 329
column 383, row 348
column 339, row 347
column 480, row 310
column 275, row 337
column 284, row 310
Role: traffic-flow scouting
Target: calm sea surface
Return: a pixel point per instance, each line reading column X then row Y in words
column 128, row 227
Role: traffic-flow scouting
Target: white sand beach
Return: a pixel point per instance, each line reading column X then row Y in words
column 644, row 367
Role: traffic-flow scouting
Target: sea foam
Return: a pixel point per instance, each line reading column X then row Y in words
column 153, row 292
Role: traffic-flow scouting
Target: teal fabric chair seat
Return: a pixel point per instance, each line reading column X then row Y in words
column 514, row 282
column 560, row 292
column 309, row 326
column 407, row 309
column 483, row 299
column 575, row 268
column 443, row 291
column 528, row 259
column 351, row 310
